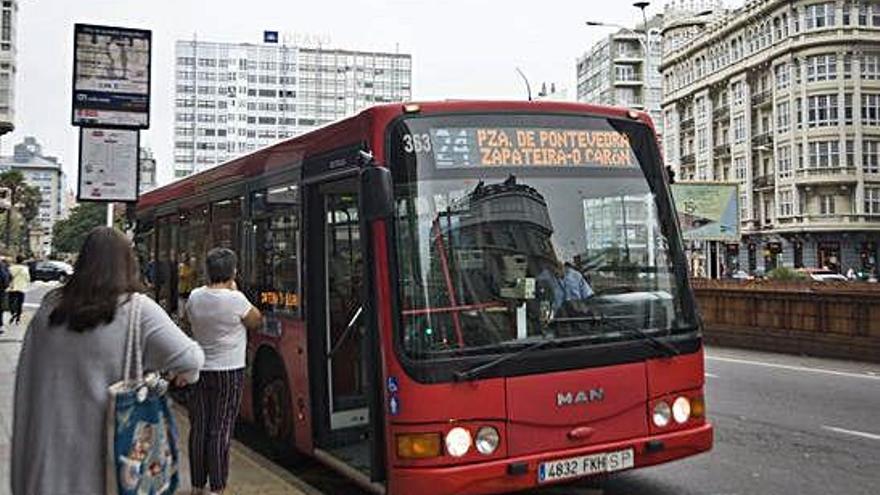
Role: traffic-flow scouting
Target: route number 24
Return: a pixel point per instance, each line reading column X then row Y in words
column 417, row 143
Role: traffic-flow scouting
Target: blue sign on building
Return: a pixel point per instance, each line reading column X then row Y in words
column 270, row 36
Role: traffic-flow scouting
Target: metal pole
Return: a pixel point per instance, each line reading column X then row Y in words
column 647, row 47
column 110, row 214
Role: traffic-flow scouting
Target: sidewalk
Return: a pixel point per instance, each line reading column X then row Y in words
column 249, row 472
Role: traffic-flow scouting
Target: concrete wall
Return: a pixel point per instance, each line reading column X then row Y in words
column 818, row 319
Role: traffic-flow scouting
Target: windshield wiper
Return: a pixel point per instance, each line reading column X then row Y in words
column 667, row 348
column 476, row 371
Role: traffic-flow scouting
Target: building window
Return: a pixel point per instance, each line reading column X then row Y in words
column 786, row 203
column 739, row 168
column 871, row 109
column 824, row 154
column 783, row 162
column 871, row 66
column 743, row 206
column 822, row 111
column 783, row 77
column 738, row 93
column 819, row 15
column 783, row 117
column 822, row 68
column 739, row 129
column 871, row 156
column 848, row 108
column 850, row 153
column 869, row 14
column 826, row 204
column 872, row 200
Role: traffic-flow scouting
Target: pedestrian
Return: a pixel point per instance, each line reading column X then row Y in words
column 219, row 316
column 5, row 279
column 20, row 280
column 73, row 351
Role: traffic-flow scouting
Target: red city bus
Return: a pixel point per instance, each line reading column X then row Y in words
column 459, row 297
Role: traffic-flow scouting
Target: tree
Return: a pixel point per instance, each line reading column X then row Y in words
column 23, row 198
column 68, row 235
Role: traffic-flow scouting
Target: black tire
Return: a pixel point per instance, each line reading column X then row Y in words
column 272, row 409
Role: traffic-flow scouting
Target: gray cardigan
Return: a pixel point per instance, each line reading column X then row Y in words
column 58, row 431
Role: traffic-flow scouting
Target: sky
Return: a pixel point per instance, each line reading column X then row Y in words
column 460, row 49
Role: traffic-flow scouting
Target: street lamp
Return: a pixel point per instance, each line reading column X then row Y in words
column 526, row 80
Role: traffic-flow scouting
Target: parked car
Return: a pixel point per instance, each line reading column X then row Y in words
column 741, row 275
column 821, row 275
column 50, row 271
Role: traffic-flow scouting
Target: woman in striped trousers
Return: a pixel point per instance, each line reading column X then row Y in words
column 219, row 316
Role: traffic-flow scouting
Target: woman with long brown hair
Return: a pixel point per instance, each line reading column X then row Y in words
column 73, row 350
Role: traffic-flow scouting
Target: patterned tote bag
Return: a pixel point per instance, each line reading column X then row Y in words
column 142, row 455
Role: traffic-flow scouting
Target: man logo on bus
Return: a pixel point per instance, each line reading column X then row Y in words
column 579, row 397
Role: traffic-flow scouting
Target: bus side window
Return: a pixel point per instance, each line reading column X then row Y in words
column 276, row 248
column 192, row 249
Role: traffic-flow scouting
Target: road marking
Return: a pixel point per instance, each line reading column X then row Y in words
column 794, row 368
column 711, row 375
column 31, row 306
column 870, row 436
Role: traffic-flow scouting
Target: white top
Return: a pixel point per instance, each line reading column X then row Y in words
column 21, row 278
column 215, row 317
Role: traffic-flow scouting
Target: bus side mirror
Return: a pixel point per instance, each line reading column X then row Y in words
column 377, row 193
column 670, row 174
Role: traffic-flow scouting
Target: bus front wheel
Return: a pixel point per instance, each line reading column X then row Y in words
column 273, row 409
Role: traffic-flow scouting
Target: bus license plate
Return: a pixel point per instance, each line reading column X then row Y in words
column 574, row 467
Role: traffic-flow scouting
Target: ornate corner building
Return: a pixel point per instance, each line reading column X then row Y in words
column 783, row 97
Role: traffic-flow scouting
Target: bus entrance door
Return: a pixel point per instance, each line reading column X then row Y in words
column 343, row 422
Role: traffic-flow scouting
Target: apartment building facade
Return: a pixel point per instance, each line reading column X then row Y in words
column 233, row 98
column 783, row 98
column 45, row 173
column 617, row 70
column 8, row 53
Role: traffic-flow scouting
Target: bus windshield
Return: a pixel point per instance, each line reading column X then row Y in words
column 517, row 228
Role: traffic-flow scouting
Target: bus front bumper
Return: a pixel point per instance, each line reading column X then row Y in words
column 496, row 477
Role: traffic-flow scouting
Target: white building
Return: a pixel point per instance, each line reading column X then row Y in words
column 233, row 98
column 147, row 167
column 8, row 19
column 614, row 70
column 44, row 172
column 783, row 97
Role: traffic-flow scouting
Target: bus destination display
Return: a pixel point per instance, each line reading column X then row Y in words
column 464, row 147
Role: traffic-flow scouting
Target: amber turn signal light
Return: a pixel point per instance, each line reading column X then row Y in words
column 698, row 407
column 418, row 445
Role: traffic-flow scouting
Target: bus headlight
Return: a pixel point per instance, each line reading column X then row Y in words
column 487, row 440
column 681, row 410
column 458, row 442
column 662, row 414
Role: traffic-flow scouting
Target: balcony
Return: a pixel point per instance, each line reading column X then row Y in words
column 845, row 221
column 722, row 150
column 827, row 175
column 721, row 113
column 764, row 181
column 762, row 98
column 628, row 81
column 763, row 139
column 688, row 159
column 629, row 56
column 687, row 124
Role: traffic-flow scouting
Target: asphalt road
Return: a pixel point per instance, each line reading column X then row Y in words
column 783, row 425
